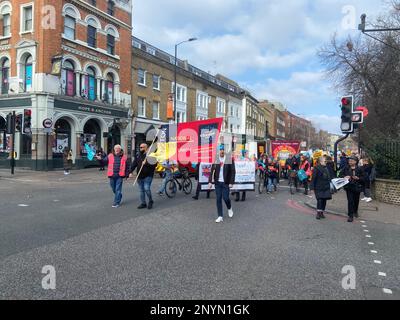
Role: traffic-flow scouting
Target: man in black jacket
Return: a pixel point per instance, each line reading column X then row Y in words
column 145, row 169
column 223, row 175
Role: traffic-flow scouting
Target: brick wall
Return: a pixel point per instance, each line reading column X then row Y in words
column 387, row 191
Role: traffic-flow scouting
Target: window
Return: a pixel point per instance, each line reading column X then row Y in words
column 110, row 44
column 180, row 93
column 110, row 8
column 181, row 117
column 141, row 107
column 91, row 84
column 6, row 24
column 156, row 82
column 142, row 77
column 68, row 79
column 202, row 101
column 27, row 73
column 27, row 19
column 221, row 106
column 156, row 110
column 4, row 74
column 91, row 36
column 69, row 27
column 109, row 94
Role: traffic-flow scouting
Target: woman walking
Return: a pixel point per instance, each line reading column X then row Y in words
column 321, row 185
column 369, row 172
column 67, row 160
column 355, row 175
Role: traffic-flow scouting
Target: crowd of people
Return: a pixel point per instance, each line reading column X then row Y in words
column 315, row 175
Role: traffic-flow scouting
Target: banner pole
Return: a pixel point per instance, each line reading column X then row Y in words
column 148, row 152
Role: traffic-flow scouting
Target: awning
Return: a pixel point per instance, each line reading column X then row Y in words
column 143, row 128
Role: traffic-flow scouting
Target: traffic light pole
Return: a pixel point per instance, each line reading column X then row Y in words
column 336, row 149
column 13, row 145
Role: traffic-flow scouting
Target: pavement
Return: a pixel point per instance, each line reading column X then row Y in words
column 272, row 249
column 373, row 211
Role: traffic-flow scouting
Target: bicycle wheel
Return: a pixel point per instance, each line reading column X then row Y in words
column 261, row 184
column 170, row 189
column 187, row 186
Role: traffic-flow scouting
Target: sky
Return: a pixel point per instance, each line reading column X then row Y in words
column 268, row 46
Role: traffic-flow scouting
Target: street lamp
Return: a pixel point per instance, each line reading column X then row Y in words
column 175, row 74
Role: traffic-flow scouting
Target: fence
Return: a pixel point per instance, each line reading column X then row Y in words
column 387, row 159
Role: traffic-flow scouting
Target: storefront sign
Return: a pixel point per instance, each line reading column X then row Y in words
column 73, row 106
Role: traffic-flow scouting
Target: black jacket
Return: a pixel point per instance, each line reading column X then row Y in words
column 229, row 172
column 148, row 168
column 354, row 185
column 320, row 183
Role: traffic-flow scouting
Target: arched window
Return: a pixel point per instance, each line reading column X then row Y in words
column 92, row 32
column 90, row 84
column 6, row 23
column 109, row 95
column 27, row 73
column 4, row 75
column 69, row 25
column 111, row 41
column 68, row 78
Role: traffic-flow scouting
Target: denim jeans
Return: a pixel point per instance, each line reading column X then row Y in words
column 272, row 182
column 145, row 189
column 222, row 192
column 116, row 186
column 168, row 176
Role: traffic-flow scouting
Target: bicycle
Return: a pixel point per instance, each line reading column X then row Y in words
column 173, row 184
column 293, row 182
column 262, row 183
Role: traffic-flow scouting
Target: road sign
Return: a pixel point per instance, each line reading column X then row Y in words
column 47, row 123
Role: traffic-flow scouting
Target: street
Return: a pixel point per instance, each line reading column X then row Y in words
column 273, row 248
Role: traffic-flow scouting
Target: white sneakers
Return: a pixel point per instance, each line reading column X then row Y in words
column 363, row 199
column 367, row 199
column 219, row 220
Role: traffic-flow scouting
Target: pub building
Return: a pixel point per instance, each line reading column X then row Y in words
column 65, row 60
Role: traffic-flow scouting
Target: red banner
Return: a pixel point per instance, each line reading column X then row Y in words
column 282, row 149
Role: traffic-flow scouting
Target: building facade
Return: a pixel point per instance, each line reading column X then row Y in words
column 63, row 60
column 199, row 95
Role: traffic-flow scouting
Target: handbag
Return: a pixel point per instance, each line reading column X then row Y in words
column 302, row 175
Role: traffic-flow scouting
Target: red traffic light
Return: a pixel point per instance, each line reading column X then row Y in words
column 27, row 112
column 345, row 101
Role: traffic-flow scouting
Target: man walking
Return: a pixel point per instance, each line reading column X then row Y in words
column 223, row 175
column 145, row 171
column 116, row 172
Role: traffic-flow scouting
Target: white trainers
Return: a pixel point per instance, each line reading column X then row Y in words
column 368, row 200
column 219, row 220
column 363, row 199
column 230, row 213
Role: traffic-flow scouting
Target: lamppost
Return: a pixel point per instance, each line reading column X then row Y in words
column 175, row 74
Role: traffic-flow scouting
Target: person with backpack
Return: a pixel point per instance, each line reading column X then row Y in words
column 306, row 167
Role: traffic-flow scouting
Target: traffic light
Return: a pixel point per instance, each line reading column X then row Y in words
column 10, row 124
column 347, row 111
column 27, row 121
column 18, row 123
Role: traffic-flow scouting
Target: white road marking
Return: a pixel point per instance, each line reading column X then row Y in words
column 382, row 274
column 374, row 251
column 377, row 262
column 56, row 200
column 23, row 205
column 362, row 221
column 366, row 230
column 387, row 291
column 368, row 236
column 364, row 226
column 371, row 243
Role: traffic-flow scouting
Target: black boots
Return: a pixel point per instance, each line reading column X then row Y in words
column 320, row 215
column 351, row 219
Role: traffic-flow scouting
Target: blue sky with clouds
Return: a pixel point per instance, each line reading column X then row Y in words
column 267, row 46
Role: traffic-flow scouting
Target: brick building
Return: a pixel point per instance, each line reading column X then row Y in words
column 199, row 95
column 63, row 60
